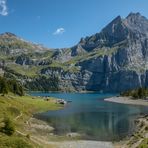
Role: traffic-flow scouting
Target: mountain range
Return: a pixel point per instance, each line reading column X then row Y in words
column 113, row 60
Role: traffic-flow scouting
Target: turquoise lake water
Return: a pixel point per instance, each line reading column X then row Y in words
column 92, row 117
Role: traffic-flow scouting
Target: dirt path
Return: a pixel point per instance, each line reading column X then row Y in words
column 20, row 115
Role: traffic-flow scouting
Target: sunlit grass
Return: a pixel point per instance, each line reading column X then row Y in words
column 12, row 106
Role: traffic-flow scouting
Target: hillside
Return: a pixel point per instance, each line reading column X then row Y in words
column 114, row 60
column 19, row 110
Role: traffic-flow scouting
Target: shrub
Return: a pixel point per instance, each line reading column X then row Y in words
column 10, row 86
column 28, row 136
column 140, row 93
column 3, row 86
column 14, row 142
column 9, row 127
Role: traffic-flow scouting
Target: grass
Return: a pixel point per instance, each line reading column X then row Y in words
column 144, row 143
column 12, row 106
column 15, row 142
column 38, row 104
column 96, row 53
column 33, row 71
column 70, row 65
column 44, row 55
column 65, row 66
column 25, row 70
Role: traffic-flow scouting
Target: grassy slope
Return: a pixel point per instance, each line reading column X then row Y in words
column 13, row 106
column 144, row 143
column 32, row 71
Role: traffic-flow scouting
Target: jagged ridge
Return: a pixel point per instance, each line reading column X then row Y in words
column 114, row 60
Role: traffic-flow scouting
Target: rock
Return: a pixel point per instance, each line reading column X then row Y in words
column 73, row 135
column 61, row 101
column 114, row 60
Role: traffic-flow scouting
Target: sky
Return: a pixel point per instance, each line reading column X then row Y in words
column 61, row 23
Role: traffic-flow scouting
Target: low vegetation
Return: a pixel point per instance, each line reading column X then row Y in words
column 15, row 142
column 144, row 143
column 24, row 70
column 7, row 85
column 8, row 127
column 15, row 110
column 140, row 93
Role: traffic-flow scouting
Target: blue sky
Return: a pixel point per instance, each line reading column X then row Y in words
column 61, row 23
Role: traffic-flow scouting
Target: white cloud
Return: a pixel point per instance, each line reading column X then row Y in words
column 59, row 31
column 3, row 8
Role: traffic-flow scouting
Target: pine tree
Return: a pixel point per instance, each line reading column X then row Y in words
column 3, row 86
column 10, row 86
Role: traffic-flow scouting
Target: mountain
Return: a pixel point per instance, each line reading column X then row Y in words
column 114, row 60
column 10, row 44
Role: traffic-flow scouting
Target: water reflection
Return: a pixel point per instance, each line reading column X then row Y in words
column 92, row 117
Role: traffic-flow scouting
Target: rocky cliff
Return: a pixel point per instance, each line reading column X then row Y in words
column 113, row 60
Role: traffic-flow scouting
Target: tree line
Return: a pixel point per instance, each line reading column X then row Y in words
column 8, row 85
column 139, row 93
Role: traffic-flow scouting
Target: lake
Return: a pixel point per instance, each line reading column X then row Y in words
column 92, row 117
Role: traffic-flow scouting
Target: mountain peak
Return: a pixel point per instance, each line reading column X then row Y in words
column 132, row 14
column 137, row 22
column 135, row 17
column 116, row 31
column 8, row 34
column 117, row 20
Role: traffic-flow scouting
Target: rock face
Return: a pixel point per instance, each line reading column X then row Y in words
column 114, row 60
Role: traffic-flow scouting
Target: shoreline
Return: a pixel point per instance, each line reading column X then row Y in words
column 127, row 100
column 71, row 142
column 140, row 135
column 29, row 92
column 41, row 132
column 130, row 141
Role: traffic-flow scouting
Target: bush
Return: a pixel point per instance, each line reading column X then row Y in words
column 3, row 86
column 14, row 142
column 28, row 136
column 9, row 127
column 140, row 93
column 10, row 86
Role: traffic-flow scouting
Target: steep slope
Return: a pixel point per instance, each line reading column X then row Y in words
column 17, row 54
column 11, row 44
column 113, row 60
column 127, row 66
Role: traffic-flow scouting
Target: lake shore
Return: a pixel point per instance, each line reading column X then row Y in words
column 48, row 138
column 127, row 100
column 42, row 133
column 38, row 132
column 140, row 136
column 19, row 109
